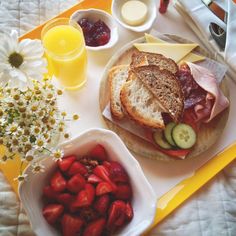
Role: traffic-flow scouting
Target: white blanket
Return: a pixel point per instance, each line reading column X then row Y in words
column 210, row 212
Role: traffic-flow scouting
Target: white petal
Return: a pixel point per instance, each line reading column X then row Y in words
column 18, row 75
column 34, row 48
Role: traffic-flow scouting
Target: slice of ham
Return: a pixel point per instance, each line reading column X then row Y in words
column 206, row 80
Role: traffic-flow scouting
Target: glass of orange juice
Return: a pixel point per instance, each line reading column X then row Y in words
column 65, row 51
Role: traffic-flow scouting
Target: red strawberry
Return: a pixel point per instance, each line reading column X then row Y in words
column 76, row 183
column 49, row 193
column 103, row 187
column 118, row 173
column 98, row 153
column 66, row 162
column 95, row 228
column 93, row 179
column 84, row 198
column 129, row 211
column 116, row 215
column 102, row 172
column 77, row 167
column 107, row 164
column 71, row 225
column 102, row 203
column 65, row 198
column 58, row 182
column 52, row 212
column 123, row 192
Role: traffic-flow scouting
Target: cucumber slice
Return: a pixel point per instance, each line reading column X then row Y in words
column 168, row 133
column 184, row 136
column 159, row 140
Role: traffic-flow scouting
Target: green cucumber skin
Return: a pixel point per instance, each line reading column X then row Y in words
column 168, row 133
column 159, row 140
column 189, row 131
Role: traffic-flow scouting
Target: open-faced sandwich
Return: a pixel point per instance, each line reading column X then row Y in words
column 173, row 102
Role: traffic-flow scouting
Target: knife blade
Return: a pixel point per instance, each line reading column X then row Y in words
column 216, row 9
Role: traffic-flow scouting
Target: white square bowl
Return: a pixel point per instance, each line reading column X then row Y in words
column 144, row 199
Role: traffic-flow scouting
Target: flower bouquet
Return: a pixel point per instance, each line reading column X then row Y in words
column 31, row 123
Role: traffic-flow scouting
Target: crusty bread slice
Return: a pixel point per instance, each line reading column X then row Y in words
column 144, row 58
column 165, row 87
column 117, row 77
column 140, row 104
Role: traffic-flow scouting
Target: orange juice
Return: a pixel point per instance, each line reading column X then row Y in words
column 66, row 53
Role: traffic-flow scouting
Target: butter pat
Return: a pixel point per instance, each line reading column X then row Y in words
column 134, row 12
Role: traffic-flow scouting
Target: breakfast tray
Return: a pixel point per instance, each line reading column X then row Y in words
column 168, row 202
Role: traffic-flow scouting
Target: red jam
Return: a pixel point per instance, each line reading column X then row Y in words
column 95, row 33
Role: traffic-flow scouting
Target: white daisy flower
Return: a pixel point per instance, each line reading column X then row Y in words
column 37, row 168
column 21, row 177
column 57, row 154
column 12, row 128
column 40, row 142
column 20, row 61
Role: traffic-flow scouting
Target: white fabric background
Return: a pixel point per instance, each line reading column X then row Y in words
column 210, row 212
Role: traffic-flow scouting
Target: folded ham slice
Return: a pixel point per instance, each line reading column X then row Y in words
column 205, row 111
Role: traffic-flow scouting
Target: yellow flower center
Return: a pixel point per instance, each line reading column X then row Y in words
column 15, row 59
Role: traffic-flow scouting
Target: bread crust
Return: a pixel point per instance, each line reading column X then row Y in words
column 115, row 105
column 145, row 58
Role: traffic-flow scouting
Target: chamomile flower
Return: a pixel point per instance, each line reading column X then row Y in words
column 21, row 177
column 20, row 61
column 40, row 142
column 12, row 128
column 57, row 154
column 38, row 168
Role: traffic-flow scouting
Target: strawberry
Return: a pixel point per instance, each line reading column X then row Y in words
column 107, row 164
column 102, row 203
column 65, row 198
column 76, row 183
column 71, row 225
column 52, row 212
column 118, row 173
column 77, row 167
column 123, row 192
column 93, row 179
column 66, row 162
column 129, row 211
column 98, row 153
column 116, row 215
column 49, row 193
column 58, row 182
column 88, row 213
column 102, row 172
column 95, row 228
column 84, row 198
column 103, row 187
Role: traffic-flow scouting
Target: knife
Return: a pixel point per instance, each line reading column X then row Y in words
column 217, row 32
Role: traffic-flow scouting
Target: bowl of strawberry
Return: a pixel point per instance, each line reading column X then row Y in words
column 99, row 28
column 98, row 188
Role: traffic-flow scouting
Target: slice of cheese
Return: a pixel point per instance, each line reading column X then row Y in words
column 190, row 57
column 151, row 39
column 175, row 51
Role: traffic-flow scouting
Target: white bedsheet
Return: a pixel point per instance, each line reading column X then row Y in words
column 210, row 212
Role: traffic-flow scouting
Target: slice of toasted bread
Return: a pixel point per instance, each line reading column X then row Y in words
column 117, row 77
column 140, row 104
column 165, row 87
column 144, row 58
